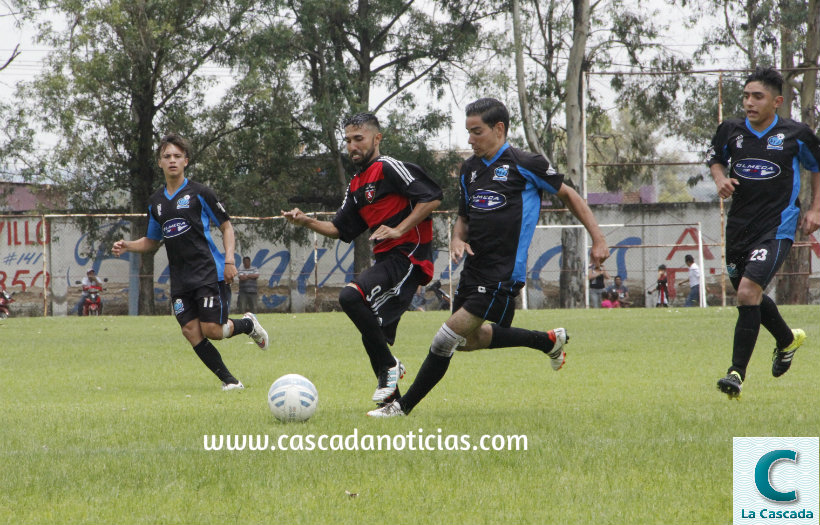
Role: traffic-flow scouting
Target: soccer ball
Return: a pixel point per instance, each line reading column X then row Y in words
column 292, row 398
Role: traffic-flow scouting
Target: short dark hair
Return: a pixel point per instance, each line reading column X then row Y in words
column 363, row 119
column 769, row 77
column 178, row 141
column 689, row 258
column 246, row 257
column 491, row 111
column 662, row 267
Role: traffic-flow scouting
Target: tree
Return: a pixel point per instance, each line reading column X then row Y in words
column 122, row 73
column 349, row 51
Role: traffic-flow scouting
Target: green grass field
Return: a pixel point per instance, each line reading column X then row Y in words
column 102, row 421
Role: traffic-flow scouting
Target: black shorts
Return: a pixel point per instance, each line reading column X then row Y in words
column 494, row 303
column 388, row 288
column 208, row 303
column 757, row 262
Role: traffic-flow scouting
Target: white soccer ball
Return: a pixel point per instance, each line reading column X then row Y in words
column 292, row 398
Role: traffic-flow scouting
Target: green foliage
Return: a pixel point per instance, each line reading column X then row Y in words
column 104, row 415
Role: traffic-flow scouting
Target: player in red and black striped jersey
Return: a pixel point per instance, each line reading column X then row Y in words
column 392, row 199
column 763, row 153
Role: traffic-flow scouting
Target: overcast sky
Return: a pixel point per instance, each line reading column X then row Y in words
column 28, row 64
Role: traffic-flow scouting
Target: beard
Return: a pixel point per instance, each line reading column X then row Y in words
column 366, row 157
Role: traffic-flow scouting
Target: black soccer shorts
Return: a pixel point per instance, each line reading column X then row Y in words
column 494, row 303
column 757, row 262
column 208, row 303
column 388, row 288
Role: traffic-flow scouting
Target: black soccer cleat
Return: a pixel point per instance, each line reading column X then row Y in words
column 731, row 385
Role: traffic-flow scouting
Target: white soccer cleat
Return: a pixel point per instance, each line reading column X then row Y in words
column 557, row 355
column 391, row 410
column 227, row 387
column 388, row 382
column 259, row 335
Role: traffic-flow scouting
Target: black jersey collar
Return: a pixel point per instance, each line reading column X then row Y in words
column 501, row 150
column 761, row 134
column 171, row 197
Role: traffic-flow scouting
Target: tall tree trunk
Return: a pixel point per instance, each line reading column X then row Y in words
column 793, row 286
column 572, row 274
column 520, row 81
column 144, row 162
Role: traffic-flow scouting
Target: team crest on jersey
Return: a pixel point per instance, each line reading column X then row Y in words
column 178, row 307
column 731, row 270
column 472, row 177
column 739, row 143
column 501, row 173
column 175, row 227
column 757, row 169
column 487, row 200
column 370, row 191
column 776, row 141
column 184, row 202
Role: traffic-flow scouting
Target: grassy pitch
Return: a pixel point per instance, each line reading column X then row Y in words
column 104, row 421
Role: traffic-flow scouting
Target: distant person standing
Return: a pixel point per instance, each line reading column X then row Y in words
column 662, row 287
column 248, row 286
column 598, row 276
column 763, row 154
column 694, row 282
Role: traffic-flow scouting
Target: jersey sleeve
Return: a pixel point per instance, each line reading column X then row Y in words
column 212, row 206
column 154, row 228
column 410, row 180
column 347, row 220
column 537, row 170
column 719, row 150
column 809, row 153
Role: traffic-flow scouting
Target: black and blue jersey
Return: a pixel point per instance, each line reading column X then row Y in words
column 500, row 199
column 767, row 166
column 184, row 220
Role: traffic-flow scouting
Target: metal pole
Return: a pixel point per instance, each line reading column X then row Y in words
column 315, row 272
column 722, row 212
column 46, row 259
column 702, row 283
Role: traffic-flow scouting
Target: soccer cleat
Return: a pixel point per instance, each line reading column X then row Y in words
column 782, row 359
column 557, row 355
column 258, row 334
column 227, row 387
column 731, row 385
column 391, row 410
column 388, row 382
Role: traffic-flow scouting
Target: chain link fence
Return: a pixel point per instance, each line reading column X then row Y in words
column 43, row 259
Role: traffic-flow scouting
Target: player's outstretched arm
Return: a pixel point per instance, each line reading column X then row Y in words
column 142, row 245
column 579, row 208
column 811, row 220
column 300, row 218
column 419, row 213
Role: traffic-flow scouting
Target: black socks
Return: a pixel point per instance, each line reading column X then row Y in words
column 507, row 337
column 771, row 320
column 209, row 355
column 241, row 326
column 365, row 320
column 746, row 330
column 432, row 370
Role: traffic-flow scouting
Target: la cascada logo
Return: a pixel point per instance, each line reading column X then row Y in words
column 776, row 480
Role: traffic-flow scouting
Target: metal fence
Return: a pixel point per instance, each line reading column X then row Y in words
column 43, row 258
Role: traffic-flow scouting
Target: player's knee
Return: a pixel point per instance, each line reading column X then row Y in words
column 446, row 341
column 350, row 297
column 213, row 331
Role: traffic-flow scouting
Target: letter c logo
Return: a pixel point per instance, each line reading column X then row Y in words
column 762, row 469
